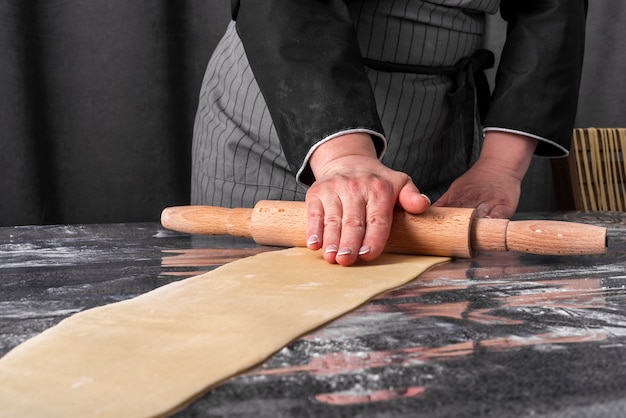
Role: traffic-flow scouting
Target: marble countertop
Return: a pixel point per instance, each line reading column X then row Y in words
column 499, row 335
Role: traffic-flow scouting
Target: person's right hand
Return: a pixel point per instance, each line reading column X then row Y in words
column 350, row 205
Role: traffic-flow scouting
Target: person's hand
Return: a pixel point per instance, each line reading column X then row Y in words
column 350, row 205
column 493, row 184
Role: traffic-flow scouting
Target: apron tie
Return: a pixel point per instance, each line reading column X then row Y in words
column 469, row 98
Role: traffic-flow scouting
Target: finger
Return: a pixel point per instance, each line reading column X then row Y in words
column 314, row 223
column 484, row 210
column 352, row 231
column 500, row 212
column 412, row 200
column 333, row 212
column 378, row 226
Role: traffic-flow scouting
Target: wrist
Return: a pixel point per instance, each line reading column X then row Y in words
column 354, row 144
column 510, row 152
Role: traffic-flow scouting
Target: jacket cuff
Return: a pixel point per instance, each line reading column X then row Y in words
column 305, row 176
column 545, row 146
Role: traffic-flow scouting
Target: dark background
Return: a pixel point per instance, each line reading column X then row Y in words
column 98, row 98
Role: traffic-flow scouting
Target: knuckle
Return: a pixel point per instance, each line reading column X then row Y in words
column 379, row 220
column 380, row 186
column 332, row 221
column 354, row 222
column 314, row 213
column 353, row 185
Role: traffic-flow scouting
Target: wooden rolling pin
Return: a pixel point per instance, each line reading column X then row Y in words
column 452, row 232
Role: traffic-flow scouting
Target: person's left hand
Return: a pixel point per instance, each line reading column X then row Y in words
column 493, row 184
column 493, row 194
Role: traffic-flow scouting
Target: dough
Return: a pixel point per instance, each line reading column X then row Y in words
column 151, row 355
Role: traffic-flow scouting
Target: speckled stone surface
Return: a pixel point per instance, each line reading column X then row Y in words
column 500, row 335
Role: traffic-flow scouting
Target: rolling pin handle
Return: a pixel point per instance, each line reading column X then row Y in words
column 208, row 220
column 556, row 238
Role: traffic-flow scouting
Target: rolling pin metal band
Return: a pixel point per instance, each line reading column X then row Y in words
column 452, row 232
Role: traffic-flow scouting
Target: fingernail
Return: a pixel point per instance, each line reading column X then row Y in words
column 313, row 239
column 427, row 198
column 331, row 249
column 365, row 249
column 345, row 251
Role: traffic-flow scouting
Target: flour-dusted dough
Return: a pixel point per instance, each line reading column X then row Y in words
column 150, row 355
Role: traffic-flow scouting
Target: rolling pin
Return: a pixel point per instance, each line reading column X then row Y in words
column 450, row 232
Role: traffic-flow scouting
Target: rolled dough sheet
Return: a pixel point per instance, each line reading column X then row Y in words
column 151, row 355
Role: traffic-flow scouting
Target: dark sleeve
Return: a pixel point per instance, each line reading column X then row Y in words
column 537, row 81
column 305, row 57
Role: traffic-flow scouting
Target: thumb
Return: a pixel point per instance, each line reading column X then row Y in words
column 411, row 200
